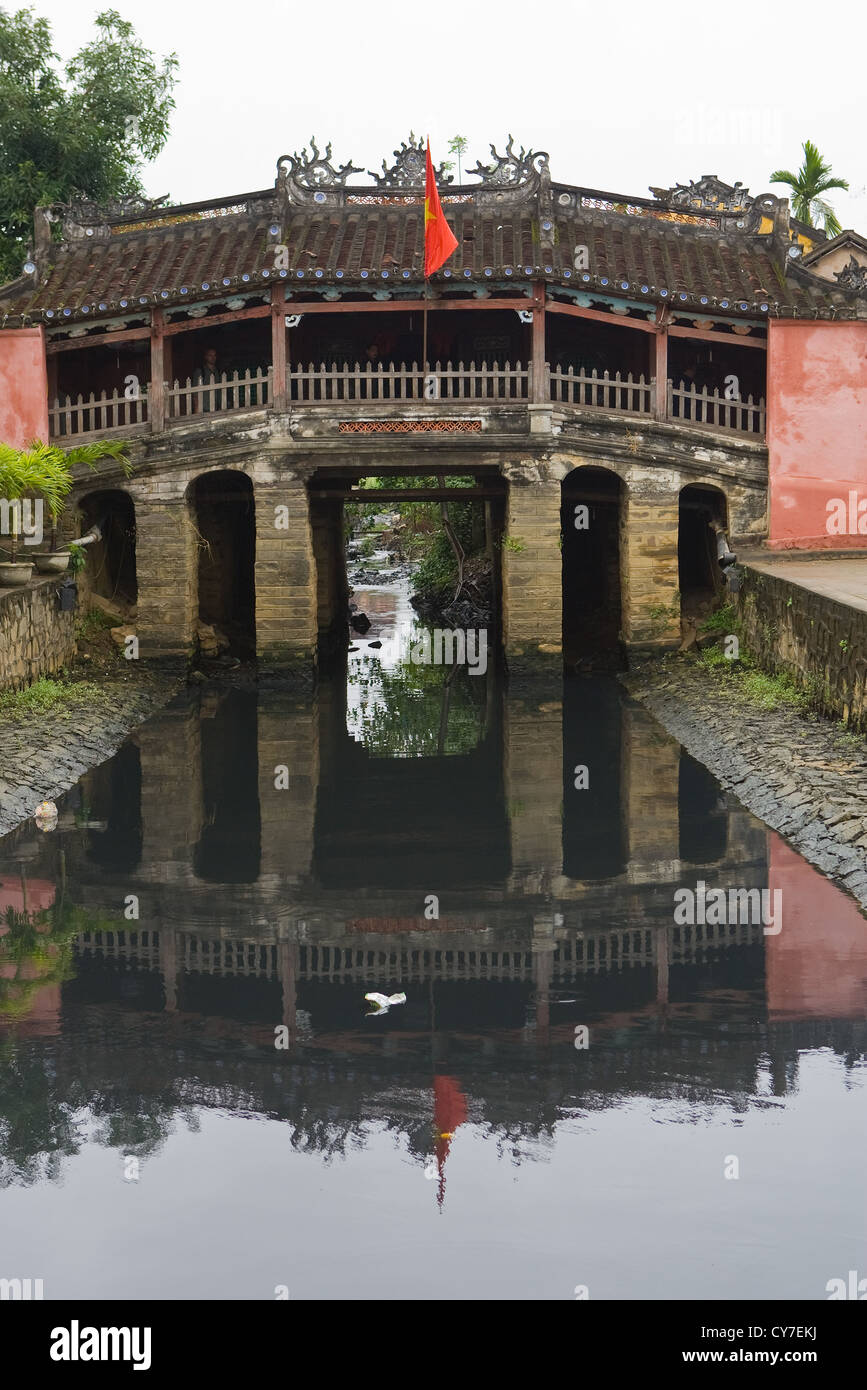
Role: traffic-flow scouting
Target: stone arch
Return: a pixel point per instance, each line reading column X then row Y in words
column 701, row 508
column 222, row 509
column 592, row 499
column 112, row 569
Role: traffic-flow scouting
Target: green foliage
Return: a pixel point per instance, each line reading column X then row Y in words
column 766, row 691
column 84, row 129
column 45, row 470
column 77, row 558
column 808, row 184
column 92, row 622
column 722, row 620
column 513, row 543
column 44, row 697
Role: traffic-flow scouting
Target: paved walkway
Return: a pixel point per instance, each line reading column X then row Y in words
column 840, row 577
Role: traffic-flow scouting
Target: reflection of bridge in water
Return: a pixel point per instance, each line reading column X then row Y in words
column 325, row 881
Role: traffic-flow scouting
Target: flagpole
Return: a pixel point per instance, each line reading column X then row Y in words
column 424, row 310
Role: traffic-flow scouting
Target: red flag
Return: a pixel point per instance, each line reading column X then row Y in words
column 439, row 239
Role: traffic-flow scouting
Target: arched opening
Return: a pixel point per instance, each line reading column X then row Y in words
column 112, row 568
column 590, row 519
column 702, row 513
column 224, row 515
column 702, row 813
column 229, row 849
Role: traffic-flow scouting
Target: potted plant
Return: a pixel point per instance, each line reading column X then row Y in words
column 45, row 470
column 27, row 474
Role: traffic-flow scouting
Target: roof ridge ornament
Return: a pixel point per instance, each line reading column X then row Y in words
column 852, row 277
column 314, row 170
column 84, row 217
column 707, row 194
column 408, row 170
column 510, row 168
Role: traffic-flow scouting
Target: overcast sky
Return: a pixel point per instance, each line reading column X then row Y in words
column 622, row 95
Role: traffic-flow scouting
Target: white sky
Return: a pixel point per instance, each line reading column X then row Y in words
column 622, row 95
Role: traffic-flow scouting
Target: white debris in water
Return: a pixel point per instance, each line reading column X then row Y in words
column 383, row 1002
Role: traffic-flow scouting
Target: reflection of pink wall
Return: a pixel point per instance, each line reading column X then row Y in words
column 817, row 966
column 43, row 1018
column 23, row 386
column 40, row 894
column 817, row 429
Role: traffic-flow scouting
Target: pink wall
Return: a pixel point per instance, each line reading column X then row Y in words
column 817, row 966
column 23, row 386
column 817, row 430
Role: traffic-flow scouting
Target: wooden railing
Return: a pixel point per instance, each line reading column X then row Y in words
column 712, row 410
column 602, row 391
column 92, row 414
column 470, row 383
column 218, row 393
column 318, row 385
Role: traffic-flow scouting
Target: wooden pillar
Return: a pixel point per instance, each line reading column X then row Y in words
column 660, row 371
column 279, row 399
column 51, row 369
column 157, row 400
column 540, row 385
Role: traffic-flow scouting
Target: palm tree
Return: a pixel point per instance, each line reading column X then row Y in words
column 811, row 181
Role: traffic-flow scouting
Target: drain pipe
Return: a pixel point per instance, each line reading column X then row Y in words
column 94, row 534
column 726, row 558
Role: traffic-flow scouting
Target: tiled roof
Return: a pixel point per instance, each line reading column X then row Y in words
column 636, row 250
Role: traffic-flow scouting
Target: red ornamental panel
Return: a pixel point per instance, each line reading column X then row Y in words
column 409, row 426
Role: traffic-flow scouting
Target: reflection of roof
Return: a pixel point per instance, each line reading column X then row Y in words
column 699, row 245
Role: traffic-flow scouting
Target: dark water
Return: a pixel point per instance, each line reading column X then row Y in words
column 155, row 1142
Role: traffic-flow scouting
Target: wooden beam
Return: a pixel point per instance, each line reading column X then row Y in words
column 120, row 335
column 709, row 336
column 157, row 402
column 615, row 320
column 258, row 311
column 278, row 348
column 407, row 494
column 401, row 306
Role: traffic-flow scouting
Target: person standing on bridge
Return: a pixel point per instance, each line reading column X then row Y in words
column 204, row 375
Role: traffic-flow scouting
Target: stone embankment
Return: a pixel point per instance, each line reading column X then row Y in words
column 43, row 754
column 805, row 778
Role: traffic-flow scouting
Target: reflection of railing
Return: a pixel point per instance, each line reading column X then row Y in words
column 581, row 953
column 602, row 391
column 217, row 393
column 713, row 410
column 314, row 385
column 455, row 383
column 93, row 414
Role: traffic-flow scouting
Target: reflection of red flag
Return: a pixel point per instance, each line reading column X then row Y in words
column 439, row 239
column 450, row 1110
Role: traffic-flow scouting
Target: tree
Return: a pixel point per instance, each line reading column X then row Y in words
column 811, row 181
column 86, row 131
column 457, row 146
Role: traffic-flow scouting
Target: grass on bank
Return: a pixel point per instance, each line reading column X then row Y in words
column 46, row 696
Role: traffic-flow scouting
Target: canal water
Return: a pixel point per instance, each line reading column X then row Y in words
column 580, row 1094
